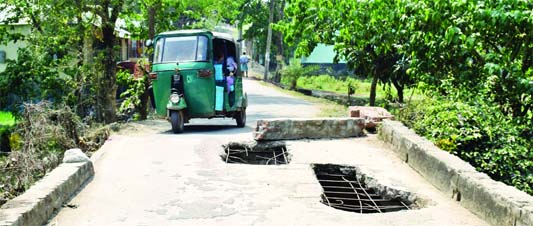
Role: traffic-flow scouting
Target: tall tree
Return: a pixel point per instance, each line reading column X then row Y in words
column 363, row 33
column 108, row 12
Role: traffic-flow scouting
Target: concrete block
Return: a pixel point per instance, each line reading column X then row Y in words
column 488, row 199
column 373, row 115
column 495, row 202
column 37, row 204
column 385, row 132
column 312, row 128
column 526, row 216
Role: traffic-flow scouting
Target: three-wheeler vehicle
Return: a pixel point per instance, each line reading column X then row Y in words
column 192, row 77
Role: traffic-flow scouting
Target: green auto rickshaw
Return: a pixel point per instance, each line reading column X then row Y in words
column 194, row 76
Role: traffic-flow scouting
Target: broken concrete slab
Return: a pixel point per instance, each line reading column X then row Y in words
column 308, row 128
column 373, row 115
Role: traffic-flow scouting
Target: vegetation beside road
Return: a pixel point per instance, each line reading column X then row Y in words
column 37, row 143
column 472, row 129
column 471, row 60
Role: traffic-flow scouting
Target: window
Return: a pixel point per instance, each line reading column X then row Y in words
column 157, row 50
column 181, row 49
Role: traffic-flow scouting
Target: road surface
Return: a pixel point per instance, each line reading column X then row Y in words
column 148, row 176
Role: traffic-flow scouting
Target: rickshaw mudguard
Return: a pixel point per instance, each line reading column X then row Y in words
column 176, row 107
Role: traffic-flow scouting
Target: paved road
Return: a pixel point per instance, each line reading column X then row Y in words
column 149, row 176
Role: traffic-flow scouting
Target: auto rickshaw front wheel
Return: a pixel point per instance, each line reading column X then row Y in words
column 241, row 118
column 176, row 120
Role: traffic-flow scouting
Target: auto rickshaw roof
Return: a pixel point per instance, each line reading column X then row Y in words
column 198, row 32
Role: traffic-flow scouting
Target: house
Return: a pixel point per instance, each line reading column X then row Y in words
column 9, row 51
column 129, row 49
column 323, row 56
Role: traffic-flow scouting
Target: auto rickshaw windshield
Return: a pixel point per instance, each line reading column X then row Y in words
column 181, row 49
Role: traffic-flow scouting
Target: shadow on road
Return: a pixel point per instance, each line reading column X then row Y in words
column 207, row 129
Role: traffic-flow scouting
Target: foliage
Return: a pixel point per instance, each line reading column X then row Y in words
column 254, row 17
column 291, row 73
column 135, row 97
column 33, row 77
column 7, row 123
column 478, row 133
column 6, row 119
column 363, row 34
column 475, row 58
column 145, row 18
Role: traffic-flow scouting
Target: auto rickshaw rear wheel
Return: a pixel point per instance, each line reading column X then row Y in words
column 241, row 118
column 176, row 120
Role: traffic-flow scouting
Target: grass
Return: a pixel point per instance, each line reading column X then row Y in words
column 6, row 119
column 340, row 86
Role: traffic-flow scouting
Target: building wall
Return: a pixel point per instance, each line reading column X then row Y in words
column 323, row 56
column 11, row 48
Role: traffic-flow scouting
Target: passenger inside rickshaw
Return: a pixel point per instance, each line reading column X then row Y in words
column 224, row 60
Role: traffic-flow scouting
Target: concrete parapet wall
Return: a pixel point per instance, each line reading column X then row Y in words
column 36, row 205
column 497, row 203
column 313, row 128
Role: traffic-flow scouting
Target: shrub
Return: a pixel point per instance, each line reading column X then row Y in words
column 38, row 142
column 291, row 73
column 7, row 122
column 134, row 99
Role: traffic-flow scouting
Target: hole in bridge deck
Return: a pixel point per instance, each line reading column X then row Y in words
column 265, row 153
column 343, row 190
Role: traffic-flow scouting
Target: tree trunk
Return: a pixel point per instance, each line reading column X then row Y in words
column 373, row 89
column 106, row 99
column 399, row 89
column 400, row 94
column 108, row 90
column 152, row 10
column 143, row 106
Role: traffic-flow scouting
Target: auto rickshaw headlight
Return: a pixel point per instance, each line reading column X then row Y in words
column 174, row 98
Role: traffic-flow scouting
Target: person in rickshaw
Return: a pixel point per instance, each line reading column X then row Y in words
column 231, row 65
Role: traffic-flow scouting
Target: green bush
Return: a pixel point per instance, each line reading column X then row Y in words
column 135, row 97
column 291, row 73
column 7, row 123
column 478, row 133
column 6, row 119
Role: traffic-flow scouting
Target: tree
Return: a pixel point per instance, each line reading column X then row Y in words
column 50, row 67
column 472, row 47
column 363, row 32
